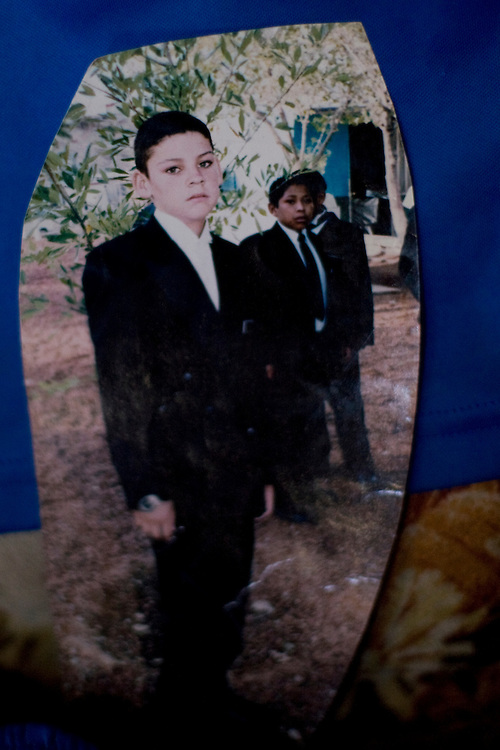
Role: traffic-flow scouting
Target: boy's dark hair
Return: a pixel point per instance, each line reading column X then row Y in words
column 313, row 181
column 160, row 126
column 316, row 184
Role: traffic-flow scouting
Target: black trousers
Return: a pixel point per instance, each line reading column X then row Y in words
column 203, row 579
column 344, row 396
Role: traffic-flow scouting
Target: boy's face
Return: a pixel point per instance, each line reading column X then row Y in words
column 183, row 178
column 295, row 208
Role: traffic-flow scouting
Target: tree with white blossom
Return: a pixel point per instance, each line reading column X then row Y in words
column 247, row 86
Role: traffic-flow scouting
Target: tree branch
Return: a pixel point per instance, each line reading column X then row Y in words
column 289, row 133
column 76, row 216
column 332, row 126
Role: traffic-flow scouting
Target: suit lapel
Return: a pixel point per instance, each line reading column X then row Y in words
column 231, row 277
column 175, row 288
column 170, row 268
column 331, row 238
column 280, row 254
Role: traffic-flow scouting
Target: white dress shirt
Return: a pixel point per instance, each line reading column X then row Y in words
column 196, row 249
column 317, row 223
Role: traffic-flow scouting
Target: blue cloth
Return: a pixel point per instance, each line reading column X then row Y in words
column 441, row 65
column 39, row 737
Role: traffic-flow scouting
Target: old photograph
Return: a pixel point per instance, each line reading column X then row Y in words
column 221, row 330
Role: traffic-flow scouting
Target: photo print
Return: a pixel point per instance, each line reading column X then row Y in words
column 221, row 332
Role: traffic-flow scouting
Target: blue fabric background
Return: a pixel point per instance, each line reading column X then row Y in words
column 440, row 60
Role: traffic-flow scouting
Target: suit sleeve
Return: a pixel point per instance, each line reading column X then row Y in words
column 343, row 243
column 124, row 386
column 362, row 295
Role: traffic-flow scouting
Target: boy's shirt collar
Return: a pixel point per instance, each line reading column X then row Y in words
column 292, row 235
column 318, row 220
column 181, row 234
column 196, row 249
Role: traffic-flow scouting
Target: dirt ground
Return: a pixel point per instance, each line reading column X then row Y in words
column 313, row 585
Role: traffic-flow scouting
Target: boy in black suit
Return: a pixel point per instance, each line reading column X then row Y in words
column 299, row 312
column 179, row 394
column 344, row 241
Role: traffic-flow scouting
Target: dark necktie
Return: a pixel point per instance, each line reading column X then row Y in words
column 313, row 279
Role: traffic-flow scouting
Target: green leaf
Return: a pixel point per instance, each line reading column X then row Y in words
column 54, row 196
column 246, row 41
column 68, row 179
column 313, row 68
column 316, row 33
column 225, row 50
column 53, row 160
column 37, row 304
column 77, row 110
column 65, row 236
column 41, row 193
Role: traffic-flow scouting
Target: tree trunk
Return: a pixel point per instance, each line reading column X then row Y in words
column 391, row 176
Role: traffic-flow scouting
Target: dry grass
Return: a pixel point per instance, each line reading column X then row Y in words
column 313, row 586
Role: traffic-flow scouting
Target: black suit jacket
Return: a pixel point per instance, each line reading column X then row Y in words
column 281, row 309
column 175, row 380
column 345, row 241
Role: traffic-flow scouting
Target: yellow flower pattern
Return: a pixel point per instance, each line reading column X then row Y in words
column 424, row 659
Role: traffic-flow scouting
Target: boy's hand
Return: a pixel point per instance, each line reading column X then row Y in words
column 268, row 503
column 158, row 523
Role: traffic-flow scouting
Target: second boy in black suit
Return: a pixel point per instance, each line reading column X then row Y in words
column 301, row 319
column 344, row 241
